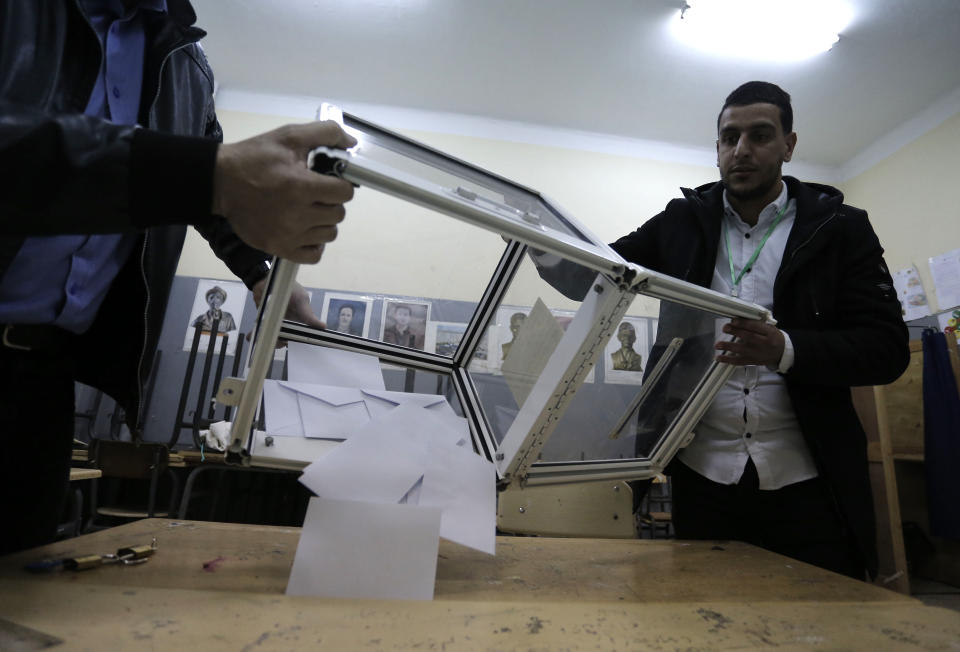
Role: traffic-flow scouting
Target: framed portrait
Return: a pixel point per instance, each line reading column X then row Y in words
column 510, row 320
column 405, row 323
column 220, row 302
column 347, row 313
column 626, row 354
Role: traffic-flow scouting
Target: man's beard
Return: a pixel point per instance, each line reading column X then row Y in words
column 756, row 192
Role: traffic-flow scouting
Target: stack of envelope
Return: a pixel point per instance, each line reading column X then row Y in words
column 298, row 409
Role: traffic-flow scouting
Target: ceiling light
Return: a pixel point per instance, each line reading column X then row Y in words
column 761, row 30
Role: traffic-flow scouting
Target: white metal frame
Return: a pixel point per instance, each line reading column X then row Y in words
column 606, row 303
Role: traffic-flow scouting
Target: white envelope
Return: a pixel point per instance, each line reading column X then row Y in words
column 328, row 412
column 308, row 363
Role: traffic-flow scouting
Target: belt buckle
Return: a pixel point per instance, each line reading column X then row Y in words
column 6, row 339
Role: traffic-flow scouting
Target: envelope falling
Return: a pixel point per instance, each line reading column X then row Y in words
column 410, row 456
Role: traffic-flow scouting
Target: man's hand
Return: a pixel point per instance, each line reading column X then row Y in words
column 758, row 343
column 273, row 202
column 298, row 308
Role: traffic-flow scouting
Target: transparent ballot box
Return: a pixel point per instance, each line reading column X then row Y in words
column 556, row 359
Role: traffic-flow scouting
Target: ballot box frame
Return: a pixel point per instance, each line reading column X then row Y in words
column 616, row 285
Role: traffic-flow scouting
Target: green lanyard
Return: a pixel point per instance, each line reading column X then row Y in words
column 736, row 278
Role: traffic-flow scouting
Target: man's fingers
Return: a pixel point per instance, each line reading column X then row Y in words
column 322, row 189
column 305, row 137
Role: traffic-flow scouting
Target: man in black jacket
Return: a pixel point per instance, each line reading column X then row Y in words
column 94, row 210
column 779, row 459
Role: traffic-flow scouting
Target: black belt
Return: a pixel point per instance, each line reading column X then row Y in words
column 35, row 337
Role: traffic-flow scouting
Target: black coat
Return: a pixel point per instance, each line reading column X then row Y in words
column 64, row 172
column 834, row 297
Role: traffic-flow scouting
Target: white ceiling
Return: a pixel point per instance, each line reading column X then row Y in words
column 601, row 66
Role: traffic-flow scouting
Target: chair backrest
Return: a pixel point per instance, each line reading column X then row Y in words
column 124, row 459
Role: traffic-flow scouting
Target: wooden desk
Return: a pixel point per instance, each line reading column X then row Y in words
column 216, row 586
column 77, row 474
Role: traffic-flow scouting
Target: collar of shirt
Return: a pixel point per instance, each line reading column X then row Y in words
column 767, row 215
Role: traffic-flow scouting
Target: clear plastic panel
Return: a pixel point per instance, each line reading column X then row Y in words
column 415, row 288
column 646, row 371
column 509, row 200
column 526, row 329
column 659, row 353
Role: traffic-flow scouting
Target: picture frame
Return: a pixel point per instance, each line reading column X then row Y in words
column 213, row 296
column 625, row 355
column 404, row 322
column 357, row 309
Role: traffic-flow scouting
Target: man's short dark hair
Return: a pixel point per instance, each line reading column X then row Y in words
column 754, row 92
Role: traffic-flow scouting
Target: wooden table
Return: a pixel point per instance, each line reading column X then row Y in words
column 77, row 473
column 217, row 586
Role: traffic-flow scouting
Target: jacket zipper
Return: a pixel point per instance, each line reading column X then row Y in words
column 803, row 244
column 139, row 422
column 140, row 418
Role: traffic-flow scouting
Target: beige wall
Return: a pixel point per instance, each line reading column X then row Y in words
column 387, row 246
column 912, row 198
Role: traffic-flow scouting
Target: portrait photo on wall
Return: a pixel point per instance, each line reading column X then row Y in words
column 347, row 313
column 405, row 323
column 625, row 356
column 220, row 302
column 510, row 320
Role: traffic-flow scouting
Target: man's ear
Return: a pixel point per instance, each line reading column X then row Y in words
column 717, row 142
column 791, row 139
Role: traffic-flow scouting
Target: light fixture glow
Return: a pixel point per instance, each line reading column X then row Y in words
column 761, row 30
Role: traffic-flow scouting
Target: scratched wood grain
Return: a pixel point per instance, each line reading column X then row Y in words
column 102, row 617
column 249, row 558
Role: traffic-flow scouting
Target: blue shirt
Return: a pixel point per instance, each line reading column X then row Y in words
column 63, row 280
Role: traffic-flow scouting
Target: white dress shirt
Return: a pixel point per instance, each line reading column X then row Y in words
column 751, row 416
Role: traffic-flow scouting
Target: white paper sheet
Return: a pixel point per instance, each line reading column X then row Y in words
column 910, row 291
column 322, row 365
column 379, row 463
column 411, row 455
column 945, row 269
column 531, row 350
column 366, row 550
column 464, row 486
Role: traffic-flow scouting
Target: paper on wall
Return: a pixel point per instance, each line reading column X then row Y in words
column 945, row 269
column 913, row 298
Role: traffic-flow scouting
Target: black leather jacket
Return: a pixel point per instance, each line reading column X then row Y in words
column 835, row 298
column 64, row 172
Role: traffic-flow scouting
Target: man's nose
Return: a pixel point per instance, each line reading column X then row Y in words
column 743, row 146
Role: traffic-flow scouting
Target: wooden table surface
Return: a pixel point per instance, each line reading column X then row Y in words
column 77, row 473
column 219, row 586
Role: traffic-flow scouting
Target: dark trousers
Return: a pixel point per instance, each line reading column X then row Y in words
column 36, row 439
column 800, row 521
